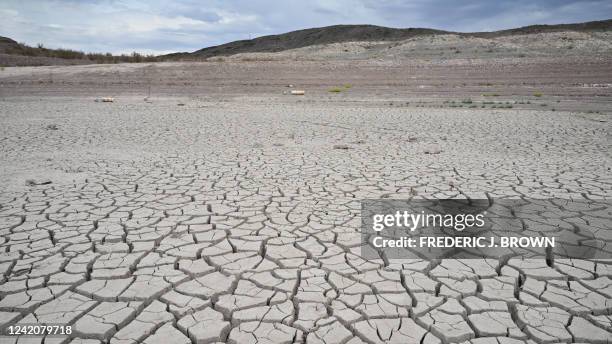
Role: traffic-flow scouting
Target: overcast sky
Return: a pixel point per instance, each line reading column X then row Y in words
column 154, row 26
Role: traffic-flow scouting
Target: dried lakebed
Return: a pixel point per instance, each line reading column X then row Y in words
column 239, row 222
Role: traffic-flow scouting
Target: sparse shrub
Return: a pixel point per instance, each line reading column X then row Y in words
column 537, row 94
column 136, row 57
column 467, row 101
column 335, row 90
column 347, row 86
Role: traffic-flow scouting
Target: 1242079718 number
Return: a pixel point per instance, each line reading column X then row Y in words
column 38, row 330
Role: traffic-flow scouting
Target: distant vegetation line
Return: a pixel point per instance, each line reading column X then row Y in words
column 40, row 51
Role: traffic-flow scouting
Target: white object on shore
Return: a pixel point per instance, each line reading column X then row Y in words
column 298, row 92
column 433, row 149
column 34, row 182
column 105, row 100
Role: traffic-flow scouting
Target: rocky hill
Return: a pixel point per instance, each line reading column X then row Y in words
column 370, row 33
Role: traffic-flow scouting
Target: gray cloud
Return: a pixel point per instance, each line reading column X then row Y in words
column 156, row 26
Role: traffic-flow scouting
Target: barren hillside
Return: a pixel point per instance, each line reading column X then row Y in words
column 368, row 41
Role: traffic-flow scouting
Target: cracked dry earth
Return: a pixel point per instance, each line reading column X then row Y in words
column 238, row 222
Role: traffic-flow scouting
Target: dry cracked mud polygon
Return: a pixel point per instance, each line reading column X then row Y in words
column 240, row 223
